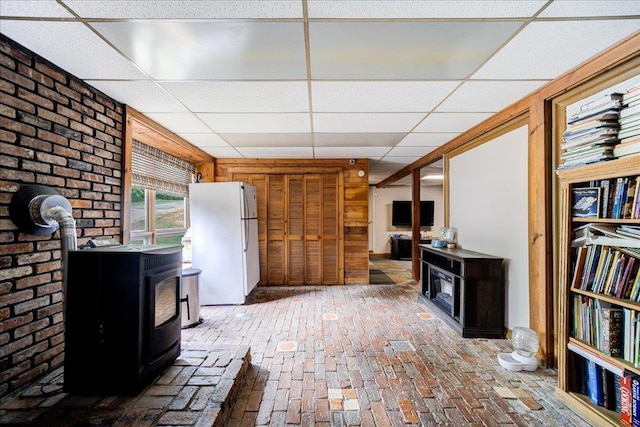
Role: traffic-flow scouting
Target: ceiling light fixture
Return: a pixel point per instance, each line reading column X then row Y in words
column 430, row 177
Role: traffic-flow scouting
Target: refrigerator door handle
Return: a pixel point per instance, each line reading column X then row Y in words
column 246, row 235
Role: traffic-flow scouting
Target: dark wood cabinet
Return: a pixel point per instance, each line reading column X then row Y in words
column 467, row 287
column 401, row 247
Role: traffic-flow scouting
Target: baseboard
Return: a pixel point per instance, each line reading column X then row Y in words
column 380, row 255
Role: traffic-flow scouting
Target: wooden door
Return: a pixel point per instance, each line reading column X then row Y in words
column 276, row 230
column 299, row 228
column 295, row 236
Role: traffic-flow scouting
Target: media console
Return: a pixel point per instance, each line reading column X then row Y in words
column 401, row 247
column 467, row 287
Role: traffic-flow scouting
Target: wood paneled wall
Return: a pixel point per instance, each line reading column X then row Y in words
column 354, row 204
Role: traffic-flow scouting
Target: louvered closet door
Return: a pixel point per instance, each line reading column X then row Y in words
column 312, row 229
column 276, row 251
column 321, row 219
column 295, row 230
column 331, row 257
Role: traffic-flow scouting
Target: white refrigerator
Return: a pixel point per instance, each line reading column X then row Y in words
column 224, row 240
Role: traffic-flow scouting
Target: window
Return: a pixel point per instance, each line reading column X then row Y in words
column 159, row 204
column 170, row 217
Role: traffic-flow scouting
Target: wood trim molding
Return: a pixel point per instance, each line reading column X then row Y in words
column 154, row 134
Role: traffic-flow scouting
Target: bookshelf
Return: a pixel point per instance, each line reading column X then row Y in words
column 578, row 293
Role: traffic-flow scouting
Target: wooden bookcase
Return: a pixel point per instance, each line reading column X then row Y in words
column 568, row 361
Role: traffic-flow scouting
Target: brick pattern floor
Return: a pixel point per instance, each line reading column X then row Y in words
column 323, row 356
column 371, row 356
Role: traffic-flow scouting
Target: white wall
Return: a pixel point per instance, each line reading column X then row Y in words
column 488, row 206
column 380, row 200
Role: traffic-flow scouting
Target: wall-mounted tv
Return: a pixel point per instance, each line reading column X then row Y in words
column 401, row 213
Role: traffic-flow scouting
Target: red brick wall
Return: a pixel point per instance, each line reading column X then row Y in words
column 57, row 131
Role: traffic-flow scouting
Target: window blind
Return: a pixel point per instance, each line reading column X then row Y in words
column 154, row 169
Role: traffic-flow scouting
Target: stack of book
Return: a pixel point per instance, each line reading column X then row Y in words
column 629, row 132
column 592, row 132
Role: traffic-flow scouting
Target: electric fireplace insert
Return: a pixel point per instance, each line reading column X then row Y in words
column 122, row 321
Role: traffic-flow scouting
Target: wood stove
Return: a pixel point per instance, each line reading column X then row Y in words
column 122, row 320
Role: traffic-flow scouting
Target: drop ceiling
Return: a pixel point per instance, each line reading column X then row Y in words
column 385, row 80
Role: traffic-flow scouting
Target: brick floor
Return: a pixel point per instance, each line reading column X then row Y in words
column 370, row 355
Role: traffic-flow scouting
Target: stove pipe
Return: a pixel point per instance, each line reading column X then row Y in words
column 38, row 210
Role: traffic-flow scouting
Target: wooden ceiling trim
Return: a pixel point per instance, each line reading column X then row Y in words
column 149, row 132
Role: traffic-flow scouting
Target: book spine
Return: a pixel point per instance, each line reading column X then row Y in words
column 635, row 402
column 636, row 202
column 594, row 383
column 611, row 332
column 604, row 194
column 625, row 400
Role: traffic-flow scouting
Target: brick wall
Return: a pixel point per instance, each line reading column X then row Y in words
column 57, row 131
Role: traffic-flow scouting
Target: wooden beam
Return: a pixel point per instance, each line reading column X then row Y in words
column 147, row 131
column 415, row 226
column 540, row 230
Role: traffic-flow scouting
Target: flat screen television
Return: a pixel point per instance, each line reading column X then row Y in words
column 401, row 213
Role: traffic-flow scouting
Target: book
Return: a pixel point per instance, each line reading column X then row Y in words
column 629, row 111
column 635, row 401
column 604, row 195
column 626, row 149
column 630, row 198
column 594, row 383
column 611, row 331
column 604, row 100
column 625, row 400
column 580, row 260
column 616, row 393
column 610, row 108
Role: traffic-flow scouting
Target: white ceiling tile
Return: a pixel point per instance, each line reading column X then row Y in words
column 211, row 49
column 380, row 96
column 204, row 139
column 411, row 151
column 277, row 152
column 363, row 122
column 544, row 50
column 451, row 122
column 415, row 139
column 73, row 47
column 258, row 123
column 33, row 8
column 268, row 139
column 145, row 96
column 487, row 96
column 241, row 97
column 180, row 122
column 403, row 50
column 350, row 152
column 222, row 152
column 181, row 9
column 421, row 9
column 582, row 8
column 357, row 139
